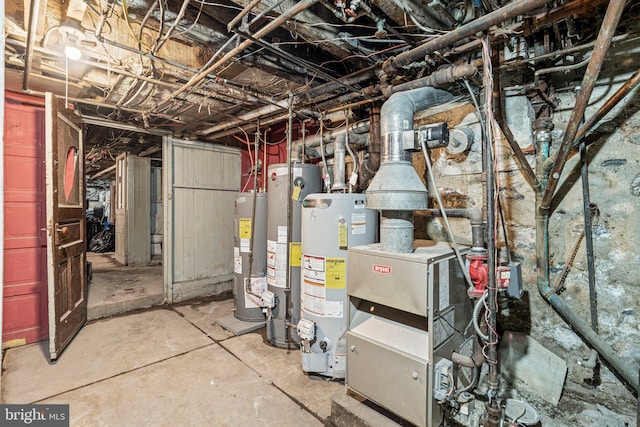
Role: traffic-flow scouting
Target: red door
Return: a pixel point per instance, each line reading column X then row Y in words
column 25, row 238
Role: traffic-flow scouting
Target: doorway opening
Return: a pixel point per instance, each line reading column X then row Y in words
column 125, row 235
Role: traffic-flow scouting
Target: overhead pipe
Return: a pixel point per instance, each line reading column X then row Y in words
column 176, row 22
column 607, row 30
column 440, row 78
column 289, row 57
column 351, row 79
column 242, row 13
column 361, row 142
column 34, row 9
column 509, row 11
column 228, row 85
column 297, row 8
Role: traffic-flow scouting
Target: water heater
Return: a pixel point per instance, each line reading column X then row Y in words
column 250, row 255
column 331, row 223
column 282, row 299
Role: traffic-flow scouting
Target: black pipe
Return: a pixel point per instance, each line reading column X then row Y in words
column 31, row 34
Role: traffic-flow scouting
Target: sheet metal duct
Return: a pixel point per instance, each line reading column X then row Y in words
column 396, row 188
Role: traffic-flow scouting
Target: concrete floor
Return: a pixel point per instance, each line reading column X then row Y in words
column 170, row 366
column 118, row 289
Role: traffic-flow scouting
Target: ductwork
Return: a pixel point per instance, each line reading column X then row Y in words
column 396, row 185
column 396, row 188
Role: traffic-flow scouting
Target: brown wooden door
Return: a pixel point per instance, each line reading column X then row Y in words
column 65, row 225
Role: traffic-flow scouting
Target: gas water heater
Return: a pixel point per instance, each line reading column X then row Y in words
column 250, row 256
column 331, row 223
column 282, row 298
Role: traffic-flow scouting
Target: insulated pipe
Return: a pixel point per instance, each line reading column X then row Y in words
column 31, row 35
column 511, row 10
column 339, row 164
column 297, row 8
column 356, row 140
column 607, row 29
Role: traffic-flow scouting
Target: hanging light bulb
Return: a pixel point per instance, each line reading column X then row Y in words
column 72, row 48
column 74, row 33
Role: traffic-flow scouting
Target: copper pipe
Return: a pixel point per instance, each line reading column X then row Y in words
column 607, row 29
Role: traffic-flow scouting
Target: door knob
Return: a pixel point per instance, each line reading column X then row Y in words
column 63, row 231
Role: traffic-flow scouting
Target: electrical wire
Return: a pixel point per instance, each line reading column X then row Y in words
column 444, row 215
column 493, row 134
column 195, row 21
column 125, row 10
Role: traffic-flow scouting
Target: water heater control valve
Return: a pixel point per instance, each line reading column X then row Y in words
column 306, row 329
column 268, row 299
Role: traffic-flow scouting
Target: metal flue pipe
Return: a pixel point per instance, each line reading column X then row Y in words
column 511, row 10
column 608, row 28
column 396, row 189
